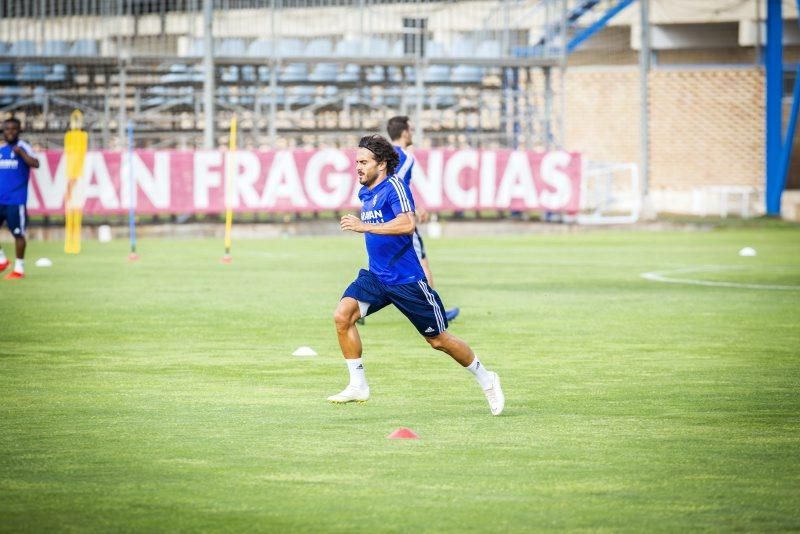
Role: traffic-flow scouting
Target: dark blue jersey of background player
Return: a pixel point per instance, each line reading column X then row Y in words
column 16, row 160
column 401, row 134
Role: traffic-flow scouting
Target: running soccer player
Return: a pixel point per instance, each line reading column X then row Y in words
column 399, row 130
column 395, row 275
column 16, row 159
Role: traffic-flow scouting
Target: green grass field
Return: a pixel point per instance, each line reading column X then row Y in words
column 163, row 396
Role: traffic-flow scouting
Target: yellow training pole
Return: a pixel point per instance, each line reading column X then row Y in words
column 76, row 143
column 230, row 169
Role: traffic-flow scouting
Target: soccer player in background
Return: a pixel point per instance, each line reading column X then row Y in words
column 399, row 129
column 16, row 159
column 395, row 275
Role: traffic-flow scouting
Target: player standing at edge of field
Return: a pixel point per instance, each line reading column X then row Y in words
column 16, row 159
column 395, row 275
column 399, row 130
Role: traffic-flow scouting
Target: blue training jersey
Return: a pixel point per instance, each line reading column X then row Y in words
column 405, row 165
column 14, row 174
column 391, row 257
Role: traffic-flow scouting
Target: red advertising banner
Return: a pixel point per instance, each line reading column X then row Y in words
column 304, row 180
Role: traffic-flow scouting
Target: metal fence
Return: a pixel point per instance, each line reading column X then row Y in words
column 296, row 73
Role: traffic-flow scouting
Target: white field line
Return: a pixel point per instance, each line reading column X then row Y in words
column 662, row 277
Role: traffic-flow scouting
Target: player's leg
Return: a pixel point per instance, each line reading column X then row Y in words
column 345, row 319
column 4, row 263
column 461, row 352
column 17, row 220
column 362, row 297
column 423, row 307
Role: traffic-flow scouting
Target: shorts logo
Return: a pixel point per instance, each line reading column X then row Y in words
column 429, row 330
column 16, row 230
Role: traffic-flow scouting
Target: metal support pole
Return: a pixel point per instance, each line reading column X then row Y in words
column 548, row 108
column 208, row 74
column 122, row 112
column 562, row 77
column 644, row 105
column 758, row 32
column 273, row 80
column 273, row 104
column 774, row 125
column 419, row 68
column 42, row 19
column 256, row 133
column 106, row 114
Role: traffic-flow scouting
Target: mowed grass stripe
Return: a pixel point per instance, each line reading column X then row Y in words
column 163, row 395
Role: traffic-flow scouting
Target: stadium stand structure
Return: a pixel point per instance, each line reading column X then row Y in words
column 296, row 73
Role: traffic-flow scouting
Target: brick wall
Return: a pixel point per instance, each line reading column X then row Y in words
column 706, row 126
column 601, row 118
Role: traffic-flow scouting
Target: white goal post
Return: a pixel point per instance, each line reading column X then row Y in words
column 611, row 193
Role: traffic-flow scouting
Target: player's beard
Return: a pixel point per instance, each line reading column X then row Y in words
column 365, row 179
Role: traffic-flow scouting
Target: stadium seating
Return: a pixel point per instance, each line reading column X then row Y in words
column 345, row 73
column 7, row 72
column 30, row 72
column 293, row 72
column 318, row 48
column 377, row 47
column 57, row 74
column 229, row 74
column 489, row 49
column 55, row 48
column 260, row 48
column 323, row 72
column 349, row 48
column 375, row 74
column 443, row 97
column 180, row 73
column 300, row 96
column 467, row 74
column 23, row 47
column 196, row 48
column 279, row 96
column 84, row 47
column 231, row 48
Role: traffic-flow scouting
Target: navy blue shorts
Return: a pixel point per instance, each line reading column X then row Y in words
column 16, row 217
column 417, row 301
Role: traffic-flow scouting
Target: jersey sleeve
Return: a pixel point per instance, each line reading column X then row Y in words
column 400, row 197
column 405, row 168
column 28, row 149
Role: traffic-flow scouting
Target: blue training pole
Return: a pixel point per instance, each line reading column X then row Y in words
column 774, row 107
column 132, row 190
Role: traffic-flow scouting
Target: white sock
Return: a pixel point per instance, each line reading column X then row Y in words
column 2, row 255
column 19, row 266
column 357, row 376
column 483, row 376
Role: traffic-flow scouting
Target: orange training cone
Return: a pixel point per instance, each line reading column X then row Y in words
column 403, row 433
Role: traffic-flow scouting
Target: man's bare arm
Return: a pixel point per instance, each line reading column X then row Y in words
column 403, row 224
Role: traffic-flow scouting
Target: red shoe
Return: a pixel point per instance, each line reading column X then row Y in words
column 14, row 275
column 4, row 265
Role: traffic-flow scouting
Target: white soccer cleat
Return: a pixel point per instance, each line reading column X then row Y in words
column 351, row 394
column 497, row 401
